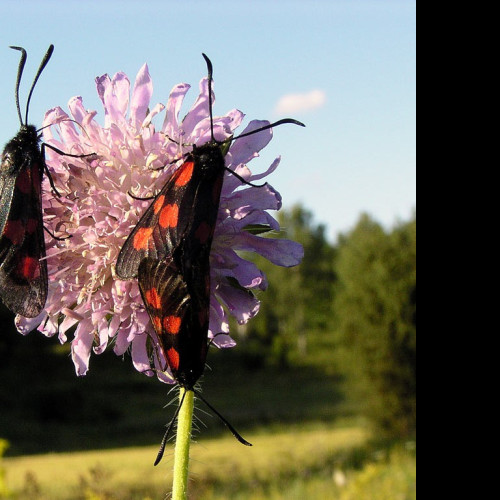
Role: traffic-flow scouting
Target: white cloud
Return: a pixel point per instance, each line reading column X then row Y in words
column 296, row 103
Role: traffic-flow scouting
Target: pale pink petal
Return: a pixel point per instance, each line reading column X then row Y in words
column 141, row 96
column 95, row 208
column 240, row 304
column 171, row 124
column 285, row 253
column 245, row 149
column 81, row 347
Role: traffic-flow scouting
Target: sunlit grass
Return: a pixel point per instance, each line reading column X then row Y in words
column 393, row 478
column 217, row 465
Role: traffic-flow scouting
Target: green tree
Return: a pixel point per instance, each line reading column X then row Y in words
column 375, row 305
column 298, row 299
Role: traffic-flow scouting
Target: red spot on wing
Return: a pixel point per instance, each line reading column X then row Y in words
column 185, row 174
column 173, row 358
column 172, row 324
column 169, row 216
column 142, row 237
column 28, row 268
column 153, row 298
column 14, row 230
column 159, row 203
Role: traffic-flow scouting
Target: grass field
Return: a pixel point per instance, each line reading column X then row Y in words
column 314, row 462
column 104, row 429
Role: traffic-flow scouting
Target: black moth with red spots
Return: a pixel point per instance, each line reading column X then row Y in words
column 169, row 252
column 23, row 269
column 172, row 244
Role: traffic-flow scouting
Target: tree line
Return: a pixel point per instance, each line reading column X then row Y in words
column 358, row 297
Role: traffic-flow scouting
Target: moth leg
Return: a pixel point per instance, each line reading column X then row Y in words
column 62, row 153
column 47, row 172
column 57, row 238
column 139, row 198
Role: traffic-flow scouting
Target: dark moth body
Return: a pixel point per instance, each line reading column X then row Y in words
column 23, row 269
column 171, row 247
column 23, row 276
column 169, row 252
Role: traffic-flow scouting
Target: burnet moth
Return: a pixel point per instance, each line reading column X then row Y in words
column 169, row 251
column 23, row 269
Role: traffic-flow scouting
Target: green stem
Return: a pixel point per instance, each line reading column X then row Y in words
column 181, row 458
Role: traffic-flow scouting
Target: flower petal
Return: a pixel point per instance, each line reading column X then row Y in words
column 249, row 200
column 241, row 304
column 171, row 124
column 140, row 357
column 81, row 347
column 141, row 96
column 27, row 325
column 285, row 253
column 245, row 149
column 95, row 209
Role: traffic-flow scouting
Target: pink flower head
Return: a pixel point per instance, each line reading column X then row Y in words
column 96, row 210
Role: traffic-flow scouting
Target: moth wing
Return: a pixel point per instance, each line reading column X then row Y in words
column 168, row 302
column 7, row 185
column 23, row 271
column 162, row 226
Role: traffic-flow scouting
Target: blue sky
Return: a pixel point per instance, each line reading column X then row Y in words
column 347, row 67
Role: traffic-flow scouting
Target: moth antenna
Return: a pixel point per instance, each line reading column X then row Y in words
column 271, row 125
column 210, row 103
column 44, row 62
column 163, row 444
column 20, row 70
column 210, row 74
column 243, row 180
column 234, row 432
